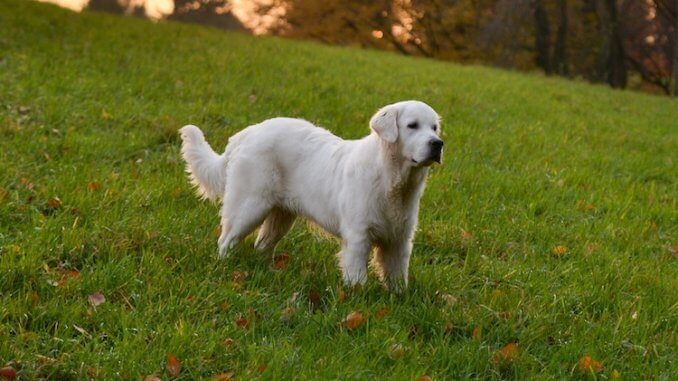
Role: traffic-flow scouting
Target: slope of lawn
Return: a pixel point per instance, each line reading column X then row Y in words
column 548, row 234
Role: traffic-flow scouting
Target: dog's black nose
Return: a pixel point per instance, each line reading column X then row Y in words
column 436, row 144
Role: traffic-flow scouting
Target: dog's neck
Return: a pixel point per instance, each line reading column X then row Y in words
column 404, row 182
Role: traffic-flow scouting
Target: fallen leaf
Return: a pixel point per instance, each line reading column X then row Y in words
column 239, row 277
column 396, row 351
column 82, row 331
column 96, row 299
column 496, row 293
column 425, row 377
column 588, row 365
column 315, row 300
column 54, row 203
column 152, row 377
column 286, row 314
column 105, row 115
column 223, row 377
column 35, row 298
column 449, row 299
column 466, row 235
column 92, row 186
column 280, row 261
column 26, row 183
column 3, row 193
column 615, row 373
column 634, row 315
column 8, row 373
column 67, row 276
column 242, row 323
column 173, row 367
column 559, row 250
column 341, row 295
column 475, row 335
column 507, row 354
column 229, row 342
column 381, row 313
column 354, row 320
column 216, row 231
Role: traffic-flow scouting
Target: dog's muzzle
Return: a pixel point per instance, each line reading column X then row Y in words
column 436, row 150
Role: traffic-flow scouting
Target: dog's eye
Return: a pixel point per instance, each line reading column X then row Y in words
column 413, row 125
column 435, row 127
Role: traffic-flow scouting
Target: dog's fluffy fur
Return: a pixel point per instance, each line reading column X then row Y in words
column 364, row 191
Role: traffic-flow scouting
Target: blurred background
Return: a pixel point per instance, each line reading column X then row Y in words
column 622, row 43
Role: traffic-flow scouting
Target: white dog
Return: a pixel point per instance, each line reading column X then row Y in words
column 364, row 191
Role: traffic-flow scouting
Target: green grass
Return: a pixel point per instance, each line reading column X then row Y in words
column 89, row 108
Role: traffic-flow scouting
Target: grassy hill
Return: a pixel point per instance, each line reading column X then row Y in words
column 551, row 225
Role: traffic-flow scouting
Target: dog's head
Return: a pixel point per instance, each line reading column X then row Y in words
column 413, row 128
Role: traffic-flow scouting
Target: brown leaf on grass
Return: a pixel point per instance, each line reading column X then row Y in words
column 239, row 277
column 280, row 261
column 67, row 276
column 396, row 351
column 449, row 299
column 26, row 183
column 242, row 322
column 383, row 311
column 353, row 320
column 152, row 377
column 425, row 377
column 508, row 354
column 82, row 331
column 315, row 300
column 3, row 193
column 96, row 299
column 93, row 185
column 216, row 231
column 466, row 235
column 286, row 314
column 615, row 373
column 229, row 342
column 223, row 377
column 588, row 365
column 172, row 366
column 341, row 295
column 105, row 115
column 35, row 298
column 475, row 335
column 559, row 250
column 7, row 373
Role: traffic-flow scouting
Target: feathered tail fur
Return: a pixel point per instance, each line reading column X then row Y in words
column 205, row 168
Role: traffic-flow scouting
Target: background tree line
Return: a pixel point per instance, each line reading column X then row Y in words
column 624, row 43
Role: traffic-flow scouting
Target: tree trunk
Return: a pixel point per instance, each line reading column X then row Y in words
column 542, row 37
column 616, row 59
column 559, row 53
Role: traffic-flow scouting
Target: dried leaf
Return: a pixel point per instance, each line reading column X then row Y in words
column 475, row 335
column 466, row 235
column 152, row 377
column 615, row 373
column 216, row 231
column 315, row 300
column 82, row 331
column 286, row 314
column 449, row 299
column 223, row 377
column 92, row 186
column 396, row 351
column 7, row 373
column 96, row 299
column 559, row 250
column 239, row 277
column 507, row 354
column 381, row 313
column 588, row 365
column 341, row 295
column 425, row 377
column 242, row 323
column 229, row 342
column 173, row 367
column 3, row 193
column 54, row 203
column 280, row 261
column 354, row 320
column 105, row 115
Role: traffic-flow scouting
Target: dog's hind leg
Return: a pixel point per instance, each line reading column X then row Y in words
column 275, row 226
column 238, row 220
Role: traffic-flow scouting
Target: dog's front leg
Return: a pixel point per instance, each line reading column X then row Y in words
column 392, row 264
column 353, row 260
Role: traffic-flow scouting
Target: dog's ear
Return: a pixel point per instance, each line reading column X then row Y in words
column 385, row 124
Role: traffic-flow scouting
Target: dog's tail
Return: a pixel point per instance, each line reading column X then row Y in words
column 205, row 168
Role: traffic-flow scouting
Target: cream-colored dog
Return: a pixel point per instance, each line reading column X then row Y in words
column 365, row 191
